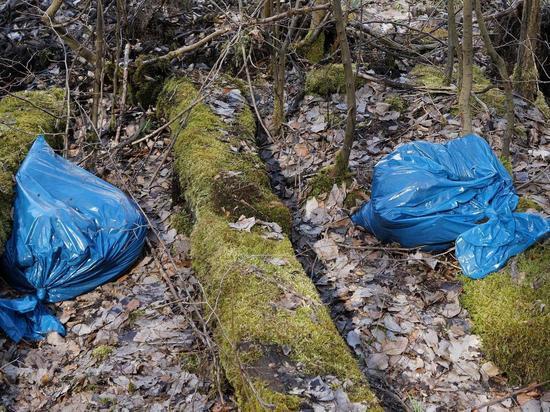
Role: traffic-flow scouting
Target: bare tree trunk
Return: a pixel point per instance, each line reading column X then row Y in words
column 467, row 74
column 98, row 73
column 315, row 36
column 525, row 73
column 124, row 92
column 279, row 74
column 267, row 10
column 507, row 83
column 452, row 42
column 342, row 157
column 278, row 62
column 318, row 16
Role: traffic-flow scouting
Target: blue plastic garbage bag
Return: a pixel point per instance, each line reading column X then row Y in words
column 430, row 195
column 71, row 233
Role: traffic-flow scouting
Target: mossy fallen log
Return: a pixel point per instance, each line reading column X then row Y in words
column 22, row 117
column 273, row 331
column 510, row 312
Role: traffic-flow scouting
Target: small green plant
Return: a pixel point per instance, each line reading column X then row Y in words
column 191, row 362
column 416, row 405
column 102, row 352
column 135, row 315
column 507, row 163
column 396, row 102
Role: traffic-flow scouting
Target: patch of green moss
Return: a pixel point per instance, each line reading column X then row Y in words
column 314, row 51
column 542, row 105
column 20, row 124
column 182, row 222
column 525, row 204
column 429, row 75
column 102, row 352
column 260, row 305
column 353, row 199
column 512, row 317
column 191, row 362
column 328, row 79
column 492, row 98
column 396, row 102
column 327, row 177
column 135, row 315
column 434, row 77
column 147, row 81
column 507, row 163
column 246, row 124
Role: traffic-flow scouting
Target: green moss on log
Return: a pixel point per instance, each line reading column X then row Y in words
column 20, row 123
column 268, row 312
column 328, row 79
column 147, row 81
column 313, row 51
column 512, row 317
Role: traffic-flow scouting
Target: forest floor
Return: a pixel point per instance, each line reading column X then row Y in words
column 138, row 342
column 399, row 309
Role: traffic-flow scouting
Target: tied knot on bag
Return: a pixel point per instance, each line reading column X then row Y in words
column 41, row 294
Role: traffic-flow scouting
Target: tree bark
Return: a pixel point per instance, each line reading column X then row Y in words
column 279, row 63
column 452, row 44
column 342, row 157
column 526, row 73
column 279, row 74
column 467, row 74
column 503, row 72
column 98, row 73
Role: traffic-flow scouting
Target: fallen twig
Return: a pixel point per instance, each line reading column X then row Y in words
column 406, row 86
column 509, row 395
column 253, row 98
column 534, row 179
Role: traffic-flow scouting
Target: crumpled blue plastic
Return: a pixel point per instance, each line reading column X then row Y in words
column 72, row 232
column 431, row 195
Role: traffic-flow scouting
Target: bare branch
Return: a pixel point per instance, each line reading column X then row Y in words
column 48, row 18
column 226, row 29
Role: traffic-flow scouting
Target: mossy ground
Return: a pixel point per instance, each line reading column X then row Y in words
column 512, row 317
column 434, row 77
column 327, row 177
column 525, row 204
column 261, row 307
column 20, row 124
column 102, row 352
column 327, row 80
column 396, row 102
